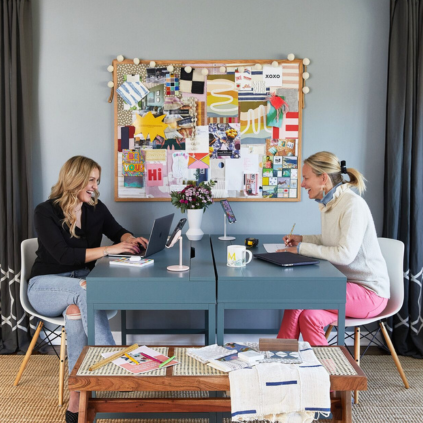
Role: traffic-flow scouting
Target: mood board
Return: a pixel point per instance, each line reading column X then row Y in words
column 237, row 123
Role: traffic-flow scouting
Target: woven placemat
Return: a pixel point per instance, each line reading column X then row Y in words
column 189, row 366
column 334, row 361
column 94, row 356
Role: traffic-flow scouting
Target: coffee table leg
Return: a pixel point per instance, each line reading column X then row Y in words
column 346, row 407
column 83, row 406
column 341, row 324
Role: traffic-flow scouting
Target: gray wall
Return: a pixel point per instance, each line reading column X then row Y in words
column 346, row 41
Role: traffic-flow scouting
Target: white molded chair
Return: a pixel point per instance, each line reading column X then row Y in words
column 393, row 253
column 28, row 255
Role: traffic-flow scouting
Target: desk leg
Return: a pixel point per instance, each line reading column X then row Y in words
column 341, row 324
column 90, row 324
column 220, row 323
column 123, row 326
column 211, row 324
column 346, row 407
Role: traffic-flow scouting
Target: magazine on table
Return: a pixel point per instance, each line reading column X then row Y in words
column 144, row 364
column 231, row 362
column 210, row 352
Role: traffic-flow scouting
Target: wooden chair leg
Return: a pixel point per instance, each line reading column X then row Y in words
column 328, row 331
column 62, row 365
column 394, row 354
column 28, row 353
column 356, row 355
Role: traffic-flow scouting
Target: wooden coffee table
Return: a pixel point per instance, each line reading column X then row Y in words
column 190, row 375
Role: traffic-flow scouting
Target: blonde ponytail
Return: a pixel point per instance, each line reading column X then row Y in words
column 326, row 162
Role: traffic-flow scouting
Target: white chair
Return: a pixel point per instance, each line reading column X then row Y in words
column 28, row 255
column 393, row 253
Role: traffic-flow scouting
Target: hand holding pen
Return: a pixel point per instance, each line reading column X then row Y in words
column 292, row 240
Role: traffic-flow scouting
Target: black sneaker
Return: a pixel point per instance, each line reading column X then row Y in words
column 71, row 417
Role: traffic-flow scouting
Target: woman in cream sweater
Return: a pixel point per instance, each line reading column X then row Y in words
column 348, row 240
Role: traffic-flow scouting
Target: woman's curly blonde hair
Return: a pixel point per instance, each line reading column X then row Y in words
column 73, row 178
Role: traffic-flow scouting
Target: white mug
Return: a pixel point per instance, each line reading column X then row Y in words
column 237, row 256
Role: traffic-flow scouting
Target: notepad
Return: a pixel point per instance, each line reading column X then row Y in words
column 272, row 248
column 126, row 261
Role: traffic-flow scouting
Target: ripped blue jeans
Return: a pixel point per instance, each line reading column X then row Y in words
column 51, row 295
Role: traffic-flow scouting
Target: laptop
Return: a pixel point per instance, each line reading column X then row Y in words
column 286, row 259
column 158, row 237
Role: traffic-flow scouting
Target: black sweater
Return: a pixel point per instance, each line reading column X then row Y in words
column 57, row 251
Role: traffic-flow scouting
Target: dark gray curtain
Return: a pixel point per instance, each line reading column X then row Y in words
column 15, row 165
column 403, row 215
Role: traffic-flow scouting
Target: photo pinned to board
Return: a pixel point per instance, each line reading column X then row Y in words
column 224, row 141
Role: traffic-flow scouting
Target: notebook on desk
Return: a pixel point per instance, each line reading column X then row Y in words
column 286, row 259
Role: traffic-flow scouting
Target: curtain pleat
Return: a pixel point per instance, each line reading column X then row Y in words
column 403, row 212
column 15, row 166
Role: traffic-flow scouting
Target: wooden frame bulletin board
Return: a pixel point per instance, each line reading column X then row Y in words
column 207, row 120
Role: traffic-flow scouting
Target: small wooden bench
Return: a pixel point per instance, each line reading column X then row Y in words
column 190, row 375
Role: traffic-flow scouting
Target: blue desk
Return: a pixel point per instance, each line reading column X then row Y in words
column 154, row 287
column 262, row 285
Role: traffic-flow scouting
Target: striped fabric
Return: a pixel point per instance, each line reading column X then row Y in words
column 201, row 113
column 223, row 120
column 279, row 392
column 289, row 127
column 290, row 76
column 132, row 92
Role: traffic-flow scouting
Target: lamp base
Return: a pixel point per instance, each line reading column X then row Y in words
column 177, row 268
column 227, row 238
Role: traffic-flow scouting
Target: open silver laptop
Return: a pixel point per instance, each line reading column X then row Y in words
column 158, row 237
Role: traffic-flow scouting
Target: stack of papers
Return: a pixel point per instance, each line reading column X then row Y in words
column 211, row 352
column 144, row 364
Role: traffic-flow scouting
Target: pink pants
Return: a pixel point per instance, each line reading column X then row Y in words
column 361, row 303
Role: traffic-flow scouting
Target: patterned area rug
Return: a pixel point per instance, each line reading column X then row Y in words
column 35, row 399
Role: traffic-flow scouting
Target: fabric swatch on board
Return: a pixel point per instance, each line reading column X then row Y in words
column 192, row 82
column 172, row 84
column 222, row 96
column 253, row 122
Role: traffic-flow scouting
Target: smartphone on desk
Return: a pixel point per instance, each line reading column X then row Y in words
column 179, row 227
column 228, row 211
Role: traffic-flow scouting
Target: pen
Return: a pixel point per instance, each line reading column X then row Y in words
column 131, row 358
column 167, row 361
column 151, row 358
column 292, row 230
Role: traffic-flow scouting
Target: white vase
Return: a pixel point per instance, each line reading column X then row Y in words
column 194, row 233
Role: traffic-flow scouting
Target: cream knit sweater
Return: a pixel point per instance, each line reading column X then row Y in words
column 349, row 241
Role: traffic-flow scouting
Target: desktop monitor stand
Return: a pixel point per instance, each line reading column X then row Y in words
column 224, row 237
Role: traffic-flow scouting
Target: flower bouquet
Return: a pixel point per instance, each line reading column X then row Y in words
column 194, row 199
